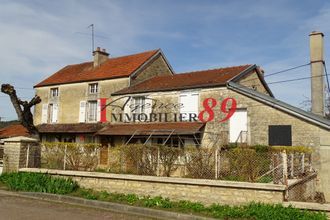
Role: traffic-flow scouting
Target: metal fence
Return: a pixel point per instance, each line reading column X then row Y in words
column 235, row 164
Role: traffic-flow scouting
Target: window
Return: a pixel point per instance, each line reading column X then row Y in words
column 138, row 105
column 54, row 92
column 93, row 88
column 279, row 135
column 92, row 111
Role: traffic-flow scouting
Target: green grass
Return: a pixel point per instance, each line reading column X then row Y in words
column 37, row 182
column 250, row 211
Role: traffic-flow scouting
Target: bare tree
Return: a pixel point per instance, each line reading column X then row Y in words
column 22, row 108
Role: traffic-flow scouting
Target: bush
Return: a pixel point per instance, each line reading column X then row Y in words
column 38, row 182
column 200, row 162
column 248, row 164
column 77, row 156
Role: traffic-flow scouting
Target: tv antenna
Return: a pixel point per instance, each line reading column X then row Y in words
column 92, row 35
column 92, row 29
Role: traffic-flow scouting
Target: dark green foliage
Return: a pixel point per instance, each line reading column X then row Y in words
column 253, row 211
column 38, row 182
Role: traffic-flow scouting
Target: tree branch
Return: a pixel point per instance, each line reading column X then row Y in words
column 22, row 108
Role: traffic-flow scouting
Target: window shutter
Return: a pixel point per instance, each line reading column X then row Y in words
column 82, row 111
column 127, row 110
column 44, row 113
column 55, row 113
column 190, row 103
column 98, row 111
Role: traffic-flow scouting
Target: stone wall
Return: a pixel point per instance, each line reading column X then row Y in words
column 252, row 81
column 205, row 191
column 20, row 152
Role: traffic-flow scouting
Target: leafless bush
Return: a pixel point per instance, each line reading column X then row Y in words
column 141, row 160
column 170, row 159
column 200, row 162
column 71, row 156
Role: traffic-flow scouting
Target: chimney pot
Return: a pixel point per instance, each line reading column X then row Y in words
column 100, row 56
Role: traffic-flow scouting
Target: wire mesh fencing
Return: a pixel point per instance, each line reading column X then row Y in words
column 234, row 164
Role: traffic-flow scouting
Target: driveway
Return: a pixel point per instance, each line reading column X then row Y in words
column 13, row 208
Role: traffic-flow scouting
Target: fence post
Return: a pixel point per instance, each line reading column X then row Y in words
column 216, row 163
column 302, row 163
column 108, row 159
column 158, row 161
column 285, row 167
column 27, row 156
column 64, row 160
column 291, row 165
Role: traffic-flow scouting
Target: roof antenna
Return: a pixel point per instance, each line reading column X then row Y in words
column 92, row 28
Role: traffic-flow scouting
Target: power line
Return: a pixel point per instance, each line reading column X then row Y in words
column 286, row 70
column 281, row 71
column 296, row 79
column 326, row 74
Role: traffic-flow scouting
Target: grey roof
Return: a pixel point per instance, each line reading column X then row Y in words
column 308, row 116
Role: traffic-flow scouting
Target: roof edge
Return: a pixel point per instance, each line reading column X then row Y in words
column 280, row 105
column 261, row 78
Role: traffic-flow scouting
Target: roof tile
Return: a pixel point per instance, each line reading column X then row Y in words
column 113, row 68
column 204, row 78
column 14, row 131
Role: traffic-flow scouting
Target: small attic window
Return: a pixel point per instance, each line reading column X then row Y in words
column 54, row 92
column 93, row 88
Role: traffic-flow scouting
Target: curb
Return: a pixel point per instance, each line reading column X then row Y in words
column 114, row 207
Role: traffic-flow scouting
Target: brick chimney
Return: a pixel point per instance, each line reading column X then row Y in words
column 317, row 70
column 100, row 56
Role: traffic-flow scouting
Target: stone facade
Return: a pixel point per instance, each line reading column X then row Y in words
column 157, row 67
column 71, row 94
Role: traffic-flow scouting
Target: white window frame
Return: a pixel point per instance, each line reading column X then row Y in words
column 91, row 114
column 93, row 88
column 54, row 92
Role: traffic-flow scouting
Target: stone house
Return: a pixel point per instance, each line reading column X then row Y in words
column 139, row 99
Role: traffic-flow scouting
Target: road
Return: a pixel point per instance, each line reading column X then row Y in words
column 17, row 208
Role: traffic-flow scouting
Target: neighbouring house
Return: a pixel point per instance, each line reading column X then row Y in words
column 139, row 99
column 13, row 130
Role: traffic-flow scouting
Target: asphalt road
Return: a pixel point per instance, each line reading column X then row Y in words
column 16, row 208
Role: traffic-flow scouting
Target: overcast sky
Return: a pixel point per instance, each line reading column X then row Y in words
column 37, row 38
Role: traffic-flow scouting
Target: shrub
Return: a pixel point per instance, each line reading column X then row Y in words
column 248, row 164
column 38, row 182
column 77, row 156
column 200, row 162
column 140, row 159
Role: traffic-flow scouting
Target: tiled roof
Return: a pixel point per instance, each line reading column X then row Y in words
column 113, row 68
column 69, row 128
column 155, row 128
column 14, row 131
column 197, row 79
